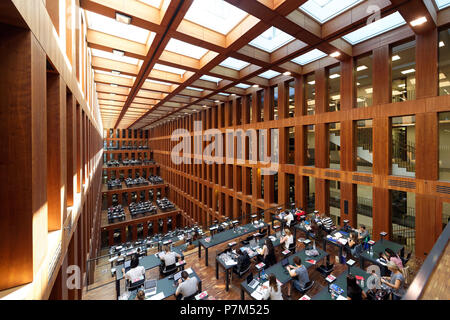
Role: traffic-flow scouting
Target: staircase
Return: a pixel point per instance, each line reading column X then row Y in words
column 363, row 153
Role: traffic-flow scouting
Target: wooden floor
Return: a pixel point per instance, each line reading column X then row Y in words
column 216, row 288
column 438, row 287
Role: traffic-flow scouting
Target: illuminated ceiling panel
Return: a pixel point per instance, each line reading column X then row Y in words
column 376, row 28
column 112, row 56
column 233, row 63
column 185, row 49
column 269, row 74
column 115, row 28
column 217, row 15
column 441, row 4
column 209, row 78
column 310, row 56
column 162, row 67
column 153, row 3
column 324, row 10
column 271, row 39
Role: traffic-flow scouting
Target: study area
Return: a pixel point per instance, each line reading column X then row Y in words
column 246, row 150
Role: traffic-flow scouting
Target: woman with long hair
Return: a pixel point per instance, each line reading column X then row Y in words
column 273, row 291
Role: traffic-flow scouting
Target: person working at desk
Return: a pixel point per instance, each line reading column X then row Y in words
column 362, row 232
column 354, row 291
column 140, row 295
column 136, row 272
column 289, row 217
column 169, row 257
column 396, row 281
column 186, row 286
column 267, row 253
column 299, row 273
column 390, row 255
column 287, row 239
column 273, row 292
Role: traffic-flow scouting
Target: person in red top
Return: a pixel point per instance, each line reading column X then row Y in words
column 300, row 214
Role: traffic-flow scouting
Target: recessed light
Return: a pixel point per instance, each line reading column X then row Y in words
column 113, row 85
column 408, row 71
column 335, row 54
column 255, row 86
column 395, row 58
column 120, row 17
column 361, row 68
column 118, row 52
column 418, row 21
column 441, row 44
column 217, row 101
column 115, row 72
column 312, row 82
column 287, row 73
column 335, row 75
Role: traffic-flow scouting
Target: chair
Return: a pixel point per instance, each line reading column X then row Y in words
column 325, row 270
column 292, row 247
column 356, row 252
column 307, row 287
column 243, row 269
column 405, row 259
column 167, row 270
column 135, row 285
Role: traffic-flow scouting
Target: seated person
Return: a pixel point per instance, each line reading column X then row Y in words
column 317, row 217
column 136, row 272
column 140, row 295
column 390, row 255
column 300, row 215
column 352, row 240
column 267, row 253
column 169, row 257
column 354, row 291
column 299, row 273
column 396, row 281
column 287, row 239
column 186, row 286
column 273, row 292
column 243, row 261
column 362, row 232
column 289, row 217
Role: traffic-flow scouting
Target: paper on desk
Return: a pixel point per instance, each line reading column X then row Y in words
column 341, row 298
column 158, row 296
column 258, row 293
column 230, row 262
column 189, row 271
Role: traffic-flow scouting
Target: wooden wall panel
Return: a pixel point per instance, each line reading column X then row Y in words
column 427, row 65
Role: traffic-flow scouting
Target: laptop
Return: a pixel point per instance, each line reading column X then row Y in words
column 150, row 287
column 284, row 264
column 252, row 283
column 127, row 265
column 177, row 276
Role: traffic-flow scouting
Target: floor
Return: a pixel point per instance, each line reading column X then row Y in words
column 214, row 287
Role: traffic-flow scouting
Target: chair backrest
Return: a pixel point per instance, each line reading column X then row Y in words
column 191, row 297
column 308, row 285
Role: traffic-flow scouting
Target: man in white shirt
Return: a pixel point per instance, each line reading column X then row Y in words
column 186, row 286
column 169, row 257
column 289, row 218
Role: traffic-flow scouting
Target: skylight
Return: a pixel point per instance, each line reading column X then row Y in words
column 242, row 85
column 324, row 10
column 224, row 94
column 309, row 57
column 209, row 78
column 162, row 67
column 376, row 28
column 185, row 49
column 271, row 39
column 111, row 56
column 441, row 4
column 269, row 74
column 217, row 15
column 111, row 26
column 233, row 63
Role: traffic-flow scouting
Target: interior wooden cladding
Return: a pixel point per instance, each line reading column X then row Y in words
column 426, row 108
column 48, row 220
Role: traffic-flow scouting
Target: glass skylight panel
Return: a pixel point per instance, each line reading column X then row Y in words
column 233, row 63
column 269, row 74
column 185, row 49
column 271, row 39
column 376, row 28
column 162, row 67
column 224, row 94
column 209, row 78
column 324, row 10
column 441, row 4
column 217, row 15
column 309, row 57
column 242, row 85
column 111, row 26
column 110, row 55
